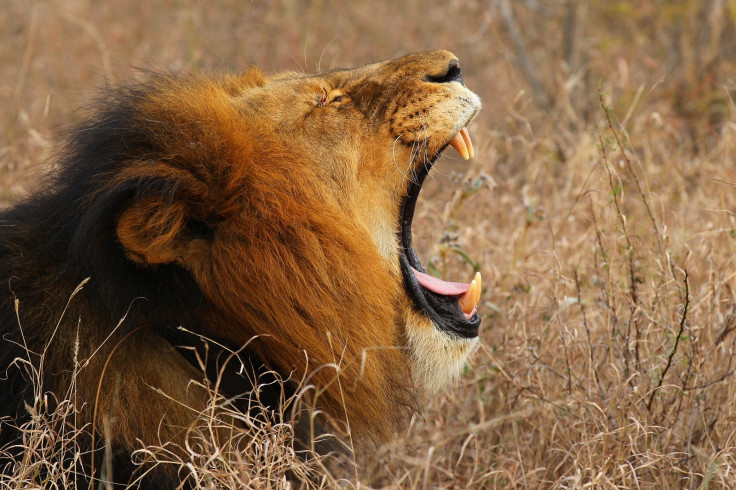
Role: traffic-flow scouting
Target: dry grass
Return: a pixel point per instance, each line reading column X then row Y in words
column 600, row 209
column 228, row 447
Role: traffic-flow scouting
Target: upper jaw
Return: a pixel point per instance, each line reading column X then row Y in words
column 467, row 106
column 471, row 105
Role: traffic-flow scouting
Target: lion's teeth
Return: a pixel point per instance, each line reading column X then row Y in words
column 467, row 301
column 458, row 142
column 470, row 299
column 478, row 281
column 468, row 316
column 466, row 137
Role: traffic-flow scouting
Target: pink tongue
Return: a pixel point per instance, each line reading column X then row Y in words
column 439, row 286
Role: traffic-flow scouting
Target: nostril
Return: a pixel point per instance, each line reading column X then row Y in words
column 453, row 74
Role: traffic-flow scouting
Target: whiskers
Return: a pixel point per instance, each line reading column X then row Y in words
column 419, row 153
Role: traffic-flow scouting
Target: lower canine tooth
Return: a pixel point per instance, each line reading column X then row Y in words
column 470, row 298
column 478, row 281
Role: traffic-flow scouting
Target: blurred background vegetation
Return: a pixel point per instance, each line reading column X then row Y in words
column 545, row 60
column 600, row 208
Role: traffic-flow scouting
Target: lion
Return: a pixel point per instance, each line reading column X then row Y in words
column 269, row 213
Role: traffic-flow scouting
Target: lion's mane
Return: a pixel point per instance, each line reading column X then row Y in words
column 199, row 206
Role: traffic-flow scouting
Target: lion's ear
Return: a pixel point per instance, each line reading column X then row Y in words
column 153, row 231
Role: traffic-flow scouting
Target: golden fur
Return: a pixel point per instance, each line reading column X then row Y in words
column 238, row 206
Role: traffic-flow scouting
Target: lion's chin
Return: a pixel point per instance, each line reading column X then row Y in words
column 438, row 360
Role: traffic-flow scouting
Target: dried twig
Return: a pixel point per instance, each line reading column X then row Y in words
column 587, row 333
column 627, row 160
column 564, row 347
column 632, row 275
column 680, row 331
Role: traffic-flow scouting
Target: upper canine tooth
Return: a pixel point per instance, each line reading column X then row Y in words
column 466, row 136
column 458, row 142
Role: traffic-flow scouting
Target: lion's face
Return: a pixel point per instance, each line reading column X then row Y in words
column 292, row 202
column 369, row 136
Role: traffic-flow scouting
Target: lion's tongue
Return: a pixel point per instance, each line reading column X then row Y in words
column 468, row 294
column 439, row 286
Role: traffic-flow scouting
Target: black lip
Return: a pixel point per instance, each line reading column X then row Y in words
column 444, row 311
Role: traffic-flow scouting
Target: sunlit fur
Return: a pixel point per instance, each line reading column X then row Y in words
column 438, row 359
column 234, row 206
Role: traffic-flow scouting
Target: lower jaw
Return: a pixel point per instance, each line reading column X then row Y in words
column 443, row 312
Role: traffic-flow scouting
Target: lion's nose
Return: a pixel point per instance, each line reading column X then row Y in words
column 452, row 74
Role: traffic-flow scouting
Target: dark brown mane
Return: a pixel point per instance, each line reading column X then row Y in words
column 64, row 233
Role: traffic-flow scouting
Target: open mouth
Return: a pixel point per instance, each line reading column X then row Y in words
column 450, row 305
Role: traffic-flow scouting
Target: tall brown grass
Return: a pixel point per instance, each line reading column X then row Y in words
column 600, row 209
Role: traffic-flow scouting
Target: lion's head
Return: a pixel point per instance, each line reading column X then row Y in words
column 278, row 207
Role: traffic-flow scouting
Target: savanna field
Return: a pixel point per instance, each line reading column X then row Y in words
column 599, row 209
